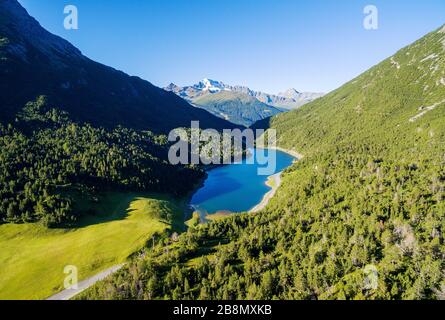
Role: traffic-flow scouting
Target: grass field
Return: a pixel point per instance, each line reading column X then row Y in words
column 32, row 258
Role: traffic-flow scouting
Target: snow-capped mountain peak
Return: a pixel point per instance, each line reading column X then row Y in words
column 290, row 93
column 289, row 99
column 211, row 86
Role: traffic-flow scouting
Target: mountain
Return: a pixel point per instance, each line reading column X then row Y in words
column 239, row 104
column 283, row 101
column 233, row 104
column 297, row 99
column 395, row 103
column 361, row 216
column 72, row 129
column 235, row 107
column 34, row 62
column 211, row 86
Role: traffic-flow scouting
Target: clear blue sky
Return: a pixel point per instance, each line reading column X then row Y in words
column 269, row 45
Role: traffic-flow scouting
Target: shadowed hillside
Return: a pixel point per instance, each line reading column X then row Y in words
column 34, row 62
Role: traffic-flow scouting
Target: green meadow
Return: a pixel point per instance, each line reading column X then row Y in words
column 32, row 257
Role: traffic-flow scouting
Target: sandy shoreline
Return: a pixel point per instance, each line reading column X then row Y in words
column 276, row 178
column 274, row 182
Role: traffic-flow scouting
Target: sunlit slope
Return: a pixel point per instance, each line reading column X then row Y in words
column 33, row 258
column 370, row 191
column 380, row 106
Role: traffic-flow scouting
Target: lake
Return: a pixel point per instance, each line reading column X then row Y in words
column 237, row 187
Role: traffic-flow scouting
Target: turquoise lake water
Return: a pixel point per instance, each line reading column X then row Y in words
column 237, row 187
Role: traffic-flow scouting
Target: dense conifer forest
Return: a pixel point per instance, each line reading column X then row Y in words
column 49, row 162
column 368, row 197
column 360, row 216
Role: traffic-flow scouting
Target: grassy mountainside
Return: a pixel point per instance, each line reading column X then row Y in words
column 360, row 217
column 238, row 108
column 379, row 107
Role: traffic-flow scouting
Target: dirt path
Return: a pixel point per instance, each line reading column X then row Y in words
column 85, row 284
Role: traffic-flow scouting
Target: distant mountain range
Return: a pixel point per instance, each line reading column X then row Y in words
column 236, row 107
column 34, row 62
column 240, row 104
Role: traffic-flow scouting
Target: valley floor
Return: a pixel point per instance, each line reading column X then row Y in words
column 33, row 258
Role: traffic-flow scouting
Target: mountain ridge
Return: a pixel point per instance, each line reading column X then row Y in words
column 239, row 104
column 34, row 62
column 289, row 99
